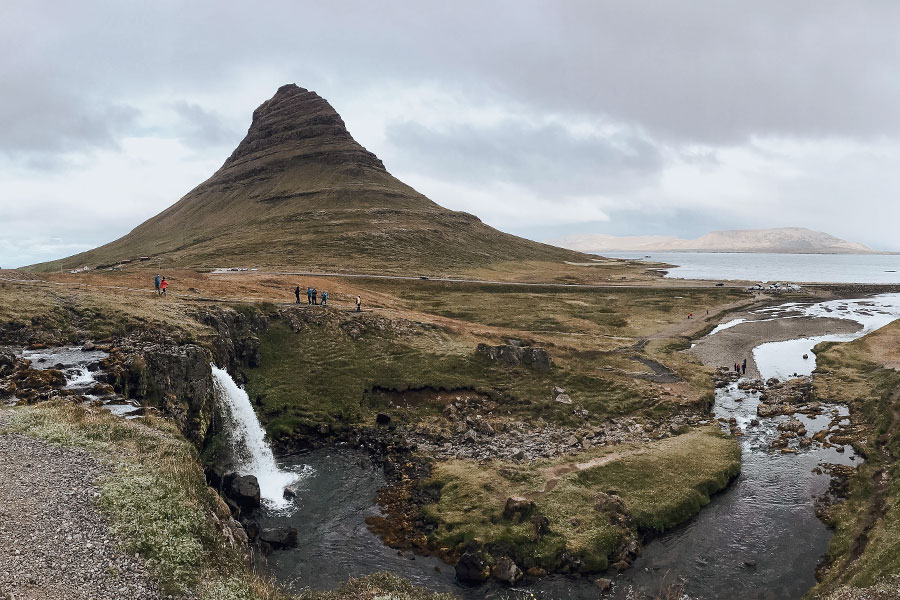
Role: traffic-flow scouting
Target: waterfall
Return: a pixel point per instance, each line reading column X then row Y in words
column 252, row 455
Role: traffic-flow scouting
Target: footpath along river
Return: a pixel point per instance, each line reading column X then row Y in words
column 759, row 539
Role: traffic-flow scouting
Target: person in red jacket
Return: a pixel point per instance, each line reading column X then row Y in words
column 162, row 286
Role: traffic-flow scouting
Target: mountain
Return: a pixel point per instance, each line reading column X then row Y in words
column 300, row 192
column 788, row 240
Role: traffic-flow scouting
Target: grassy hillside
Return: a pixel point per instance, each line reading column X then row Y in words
column 865, row 550
column 299, row 191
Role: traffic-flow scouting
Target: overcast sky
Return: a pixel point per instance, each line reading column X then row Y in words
column 543, row 118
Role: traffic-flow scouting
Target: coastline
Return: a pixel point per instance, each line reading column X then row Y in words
column 737, row 343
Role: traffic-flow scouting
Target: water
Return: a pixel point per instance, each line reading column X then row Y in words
column 820, row 268
column 785, row 359
column 80, row 369
column 251, row 452
column 759, row 539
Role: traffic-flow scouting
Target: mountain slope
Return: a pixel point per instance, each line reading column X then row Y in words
column 790, row 240
column 300, row 192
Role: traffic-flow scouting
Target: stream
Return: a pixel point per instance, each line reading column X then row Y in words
column 759, row 539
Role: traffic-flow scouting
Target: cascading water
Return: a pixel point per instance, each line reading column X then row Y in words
column 252, row 455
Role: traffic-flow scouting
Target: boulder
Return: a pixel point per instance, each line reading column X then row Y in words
column 517, row 509
column 244, row 490
column 507, row 571
column 279, row 537
column 541, row 525
column 603, row 584
column 382, row 419
column 564, row 399
column 472, row 568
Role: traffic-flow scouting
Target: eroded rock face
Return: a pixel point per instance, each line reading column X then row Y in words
column 300, row 122
column 177, row 380
column 533, row 357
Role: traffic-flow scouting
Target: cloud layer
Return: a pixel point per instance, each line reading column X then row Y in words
column 544, row 118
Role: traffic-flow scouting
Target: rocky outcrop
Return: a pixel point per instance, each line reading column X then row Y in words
column 176, row 380
column 235, row 344
column 533, row 357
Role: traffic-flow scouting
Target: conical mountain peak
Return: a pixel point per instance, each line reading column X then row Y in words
column 300, row 122
column 299, row 191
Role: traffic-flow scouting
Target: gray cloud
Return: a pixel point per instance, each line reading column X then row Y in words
column 39, row 125
column 202, row 128
column 549, row 158
column 689, row 83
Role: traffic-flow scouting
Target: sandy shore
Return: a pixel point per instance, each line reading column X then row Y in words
column 737, row 343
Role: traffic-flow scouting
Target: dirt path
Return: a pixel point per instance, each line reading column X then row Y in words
column 53, row 541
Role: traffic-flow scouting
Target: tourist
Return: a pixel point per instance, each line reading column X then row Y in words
column 324, row 297
column 162, row 287
column 309, row 295
column 315, row 294
column 297, row 293
column 156, row 283
column 358, row 304
column 744, row 367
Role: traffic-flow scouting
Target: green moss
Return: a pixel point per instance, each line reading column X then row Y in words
column 662, row 484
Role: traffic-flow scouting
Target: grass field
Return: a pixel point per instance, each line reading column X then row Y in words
column 865, row 549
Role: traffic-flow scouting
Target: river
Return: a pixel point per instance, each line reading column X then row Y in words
column 759, row 539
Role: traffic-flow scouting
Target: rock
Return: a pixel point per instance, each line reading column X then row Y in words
column 541, row 525
column 564, row 399
column 558, row 390
column 518, row 454
column 279, row 537
column 530, row 356
column 382, row 419
column 244, row 490
column 289, row 494
column 805, row 356
column 472, row 568
column 750, row 563
column 603, row 584
column 517, row 509
column 470, row 436
column 536, row 572
column 507, row 571
column 252, row 528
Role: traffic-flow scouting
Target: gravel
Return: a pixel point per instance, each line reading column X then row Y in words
column 54, row 543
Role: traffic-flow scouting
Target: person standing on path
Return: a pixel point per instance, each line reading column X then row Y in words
column 297, row 293
column 744, row 367
column 358, row 304
column 156, row 283
column 309, row 295
column 324, row 297
column 162, row 287
column 315, row 296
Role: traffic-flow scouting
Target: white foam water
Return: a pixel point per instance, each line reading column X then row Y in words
column 252, row 453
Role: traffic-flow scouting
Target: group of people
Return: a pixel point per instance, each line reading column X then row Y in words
column 312, row 297
column 741, row 368
column 161, row 285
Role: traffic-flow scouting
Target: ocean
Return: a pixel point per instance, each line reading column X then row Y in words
column 770, row 268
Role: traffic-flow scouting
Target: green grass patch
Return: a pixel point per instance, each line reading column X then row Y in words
column 662, row 484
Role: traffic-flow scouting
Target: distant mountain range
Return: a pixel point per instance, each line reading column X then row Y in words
column 300, row 192
column 787, row 240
